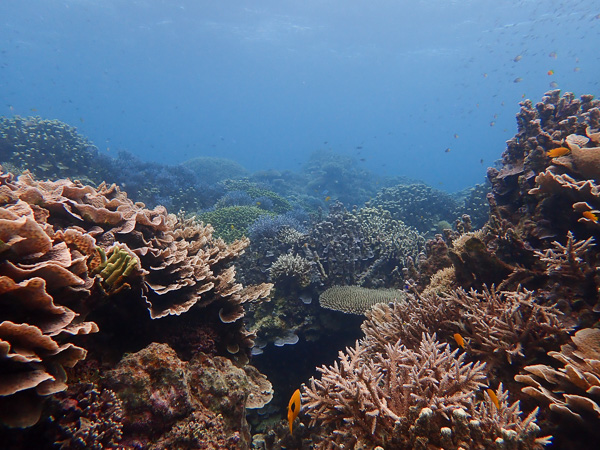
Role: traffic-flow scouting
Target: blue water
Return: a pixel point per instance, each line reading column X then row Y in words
column 268, row 82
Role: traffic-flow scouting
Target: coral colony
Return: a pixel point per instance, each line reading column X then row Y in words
column 457, row 324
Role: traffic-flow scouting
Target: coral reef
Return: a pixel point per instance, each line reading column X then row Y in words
column 66, row 247
column 540, row 129
column 167, row 400
column 211, row 170
column 44, row 284
column 364, row 247
column 48, row 149
column 413, row 399
column 417, row 205
column 232, row 222
column 291, row 268
column 339, row 177
column 260, row 195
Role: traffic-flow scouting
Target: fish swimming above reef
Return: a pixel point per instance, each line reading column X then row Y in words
column 459, row 340
column 493, row 398
column 559, row 151
column 590, row 215
column 294, row 408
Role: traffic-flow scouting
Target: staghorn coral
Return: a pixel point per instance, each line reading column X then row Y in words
column 405, row 321
column 402, row 398
column 504, row 323
column 356, row 299
column 497, row 325
column 572, row 390
column 569, row 260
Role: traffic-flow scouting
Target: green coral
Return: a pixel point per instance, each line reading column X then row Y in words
column 232, row 222
column 280, row 204
column 115, row 268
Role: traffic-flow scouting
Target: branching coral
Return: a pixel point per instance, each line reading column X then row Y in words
column 568, row 260
column 364, row 247
column 497, row 325
column 504, row 323
column 417, row 205
column 294, row 267
column 412, row 398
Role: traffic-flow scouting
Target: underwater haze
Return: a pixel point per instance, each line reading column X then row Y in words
column 426, row 89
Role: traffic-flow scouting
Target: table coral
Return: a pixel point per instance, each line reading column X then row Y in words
column 356, row 299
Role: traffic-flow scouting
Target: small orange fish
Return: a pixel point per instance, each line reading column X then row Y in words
column 590, row 216
column 559, row 151
column 447, row 150
column 459, row 340
column 294, row 408
column 493, row 398
column 328, row 198
column 550, row 72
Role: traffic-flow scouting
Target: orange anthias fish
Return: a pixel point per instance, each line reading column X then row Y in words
column 590, row 216
column 556, row 152
column 493, row 398
column 294, row 408
column 459, row 340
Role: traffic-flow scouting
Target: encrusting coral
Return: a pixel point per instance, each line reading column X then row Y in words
column 169, row 402
column 402, row 398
